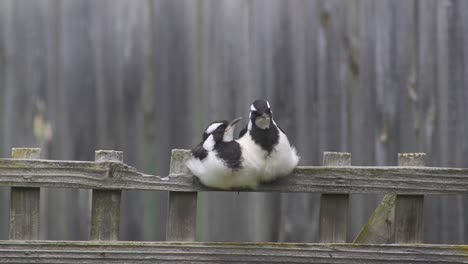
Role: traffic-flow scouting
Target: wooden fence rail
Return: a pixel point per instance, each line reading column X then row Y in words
column 108, row 176
column 334, row 179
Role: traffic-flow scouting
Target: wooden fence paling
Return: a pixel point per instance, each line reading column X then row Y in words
column 182, row 212
column 25, row 203
column 334, row 207
column 105, row 213
column 409, row 209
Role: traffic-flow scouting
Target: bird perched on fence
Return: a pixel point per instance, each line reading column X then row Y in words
column 219, row 161
column 264, row 139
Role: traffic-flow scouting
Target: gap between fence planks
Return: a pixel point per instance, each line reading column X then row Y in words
column 334, row 207
column 24, row 203
column 105, row 212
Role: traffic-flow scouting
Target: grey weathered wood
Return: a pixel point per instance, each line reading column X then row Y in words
column 182, row 213
column 24, row 203
column 387, row 64
column 105, row 212
column 334, row 207
column 380, row 228
column 409, row 209
column 193, row 252
column 353, row 179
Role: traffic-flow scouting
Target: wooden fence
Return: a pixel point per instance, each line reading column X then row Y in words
column 398, row 220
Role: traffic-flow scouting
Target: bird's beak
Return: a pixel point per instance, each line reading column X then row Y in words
column 229, row 132
column 234, row 122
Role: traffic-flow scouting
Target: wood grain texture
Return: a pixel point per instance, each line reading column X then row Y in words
column 105, row 210
column 380, row 228
column 369, row 77
column 409, row 215
column 334, row 207
column 355, row 179
column 192, row 252
column 24, row 203
column 182, row 212
column 182, row 216
column 409, row 209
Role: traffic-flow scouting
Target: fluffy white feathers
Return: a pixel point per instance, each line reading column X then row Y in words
column 263, row 153
column 281, row 161
column 222, row 163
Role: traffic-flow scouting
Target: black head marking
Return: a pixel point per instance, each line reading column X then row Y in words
column 216, row 129
column 267, row 137
column 261, row 106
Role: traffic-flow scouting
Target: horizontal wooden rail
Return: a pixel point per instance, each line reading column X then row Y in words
column 196, row 252
column 351, row 179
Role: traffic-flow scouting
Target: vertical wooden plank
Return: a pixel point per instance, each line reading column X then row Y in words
column 24, row 203
column 450, row 110
column 227, row 30
column 334, row 207
column 417, row 78
column 409, row 213
column 74, row 113
column 182, row 211
column 5, row 14
column 363, row 120
column 298, row 212
column 105, row 212
column 173, row 53
column 453, row 206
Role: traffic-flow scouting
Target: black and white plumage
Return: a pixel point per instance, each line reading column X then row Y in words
column 263, row 139
column 218, row 160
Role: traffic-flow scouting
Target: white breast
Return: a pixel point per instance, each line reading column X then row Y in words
column 253, row 162
column 281, row 161
column 211, row 171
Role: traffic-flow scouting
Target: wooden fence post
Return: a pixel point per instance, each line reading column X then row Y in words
column 409, row 209
column 182, row 214
column 334, row 207
column 105, row 212
column 25, row 203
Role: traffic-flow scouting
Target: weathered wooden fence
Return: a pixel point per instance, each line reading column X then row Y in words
column 107, row 176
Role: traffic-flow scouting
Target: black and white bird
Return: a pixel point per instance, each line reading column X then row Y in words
column 263, row 139
column 218, row 160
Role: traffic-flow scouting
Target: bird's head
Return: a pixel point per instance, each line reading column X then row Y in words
column 260, row 114
column 219, row 131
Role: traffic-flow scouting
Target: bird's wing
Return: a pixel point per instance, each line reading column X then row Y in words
column 280, row 129
column 242, row 132
column 199, row 152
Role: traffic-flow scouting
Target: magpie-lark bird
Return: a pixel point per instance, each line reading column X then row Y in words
column 265, row 140
column 219, row 161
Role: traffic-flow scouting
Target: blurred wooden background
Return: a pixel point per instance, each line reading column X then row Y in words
column 370, row 77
